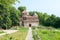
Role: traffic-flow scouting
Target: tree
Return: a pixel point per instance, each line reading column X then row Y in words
column 8, row 2
column 22, row 8
column 57, row 23
column 5, row 21
column 31, row 13
column 42, row 17
column 51, row 21
column 14, row 16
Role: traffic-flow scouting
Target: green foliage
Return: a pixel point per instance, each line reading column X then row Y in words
column 8, row 2
column 22, row 8
column 31, row 13
column 57, row 23
column 6, row 9
column 34, row 35
column 49, row 35
column 50, row 21
column 14, row 16
column 6, row 23
column 42, row 17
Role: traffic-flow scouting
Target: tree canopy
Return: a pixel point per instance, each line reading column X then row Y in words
column 22, row 8
column 6, row 11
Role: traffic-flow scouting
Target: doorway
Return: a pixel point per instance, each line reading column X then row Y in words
column 29, row 25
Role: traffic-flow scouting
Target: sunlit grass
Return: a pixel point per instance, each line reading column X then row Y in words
column 49, row 35
column 45, row 33
column 20, row 35
column 1, row 32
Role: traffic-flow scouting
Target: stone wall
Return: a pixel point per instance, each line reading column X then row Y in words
column 32, row 24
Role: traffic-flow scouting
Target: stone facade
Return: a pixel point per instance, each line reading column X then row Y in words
column 27, row 20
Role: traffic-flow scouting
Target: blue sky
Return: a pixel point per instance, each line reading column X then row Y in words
column 48, row 6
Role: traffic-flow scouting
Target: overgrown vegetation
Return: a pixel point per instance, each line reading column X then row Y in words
column 35, row 35
column 45, row 33
column 49, row 34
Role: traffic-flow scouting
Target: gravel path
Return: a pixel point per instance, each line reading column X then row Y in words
column 29, row 35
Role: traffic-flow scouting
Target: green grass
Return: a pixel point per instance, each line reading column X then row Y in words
column 1, row 32
column 20, row 35
column 49, row 35
column 46, row 27
column 35, row 35
column 45, row 33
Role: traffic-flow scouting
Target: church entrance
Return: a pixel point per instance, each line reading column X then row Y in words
column 29, row 25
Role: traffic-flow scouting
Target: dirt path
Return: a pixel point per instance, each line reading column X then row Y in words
column 8, row 32
column 29, row 35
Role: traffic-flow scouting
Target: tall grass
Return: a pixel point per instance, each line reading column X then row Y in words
column 46, row 33
column 49, row 35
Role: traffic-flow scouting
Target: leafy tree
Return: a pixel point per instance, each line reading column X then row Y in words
column 14, row 15
column 5, row 21
column 8, row 2
column 22, row 8
column 42, row 17
column 50, row 21
column 31, row 13
column 57, row 23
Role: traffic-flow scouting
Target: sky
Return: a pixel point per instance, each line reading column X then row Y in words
column 47, row 6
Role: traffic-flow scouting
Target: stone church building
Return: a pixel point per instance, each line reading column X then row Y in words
column 27, row 20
